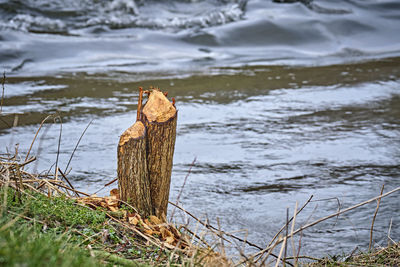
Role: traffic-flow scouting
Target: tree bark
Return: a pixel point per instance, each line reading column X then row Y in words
column 145, row 156
column 133, row 175
column 160, row 119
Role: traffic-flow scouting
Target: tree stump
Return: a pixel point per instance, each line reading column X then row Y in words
column 133, row 175
column 145, row 156
column 160, row 118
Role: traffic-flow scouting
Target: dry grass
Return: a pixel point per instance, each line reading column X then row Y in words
column 206, row 245
column 178, row 246
column 388, row 256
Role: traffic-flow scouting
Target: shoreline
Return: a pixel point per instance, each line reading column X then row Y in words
column 99, row 230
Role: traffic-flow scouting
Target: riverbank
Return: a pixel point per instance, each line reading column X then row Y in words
column 39, row 223
column 44, row 219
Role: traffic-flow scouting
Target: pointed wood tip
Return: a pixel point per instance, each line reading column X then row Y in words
column 158, row 108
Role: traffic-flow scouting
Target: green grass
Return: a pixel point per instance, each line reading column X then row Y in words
column 57, row 231
column 60, row 210
column 22, row 245
column 36, row 230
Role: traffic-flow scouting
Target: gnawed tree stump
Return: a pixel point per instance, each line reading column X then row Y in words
column 133, row 175
column 145, row 156
column 160, row 118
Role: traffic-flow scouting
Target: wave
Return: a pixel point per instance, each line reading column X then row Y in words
column 65, row 17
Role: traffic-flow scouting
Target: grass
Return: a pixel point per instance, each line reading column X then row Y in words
column 84, row 231
column 35, row 229
column 388, row 256
column 107, row 229
column 59, row 210
column 27, row 245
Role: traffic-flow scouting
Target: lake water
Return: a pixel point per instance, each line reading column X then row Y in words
column 277, row 102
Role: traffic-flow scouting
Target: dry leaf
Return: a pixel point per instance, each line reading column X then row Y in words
column 114, row 193
column 165, row 232
column 155, row 232
column 169, row 246
column 113, row 209
column 133, row 219
column 148, row 231
column 155, row 220
column 175, row 232
column 170, row 240
column 111, row 203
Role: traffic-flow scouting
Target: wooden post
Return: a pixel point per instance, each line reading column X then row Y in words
column 160, row 119
column 145, row 155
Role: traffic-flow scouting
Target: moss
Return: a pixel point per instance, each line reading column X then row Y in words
column 59, row 210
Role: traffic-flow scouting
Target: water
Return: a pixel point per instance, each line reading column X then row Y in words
column 277, row 102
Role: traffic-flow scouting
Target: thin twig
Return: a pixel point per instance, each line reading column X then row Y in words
column 20, row 177
column 109, row 183
column 389, row 230
column 373, row 220
column 76, row 146
column 50, row 185
column 15, row 187
column 287, row 226
column 25, row 217
column 207, row 225
column 22, row 164
column 332, row 215
column 139, row 107
column 58, row 148
column 10, row 222
column 195, row 235
column 129, row 205
column 151, row 240
column 303, row 257
column 40, row 146
column 57, row 183
column 283, row 227
column 33, row 189
column 331, row 198
column 292, row 239
column 221, row 240
column 66, row 179
column 2, row 95
column 300, row 238
column 280, row 252
column 301, row 233
column 213, row 229
column 266, row 256
column 37, row 132
column 183, row 185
